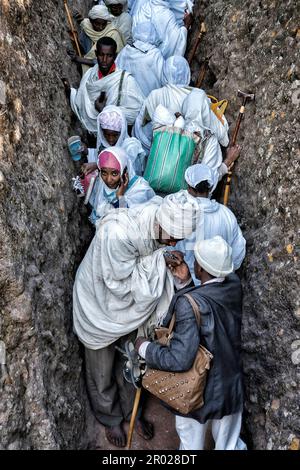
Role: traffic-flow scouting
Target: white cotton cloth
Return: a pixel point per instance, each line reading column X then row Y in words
column 138, row 192
column 178, row 215
column 135, row 154
column 100, row 12
column 199, row 117
column 122, row 280
column 83, row 99
column 124, row 25
column 177, row 71
column 215, row 219
column 104, row 117
column 135, row 5
column 173, row 38
column 195, row 174
column 179, row 7
column 162, row 117
column 169, row 96
column 215, row 256
column 225, row 431
column 144, row 52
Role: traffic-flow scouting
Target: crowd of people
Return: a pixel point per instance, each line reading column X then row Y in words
column 134, row 81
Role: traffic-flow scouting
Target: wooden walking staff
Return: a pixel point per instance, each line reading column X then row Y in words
column 202, row 72
column 133, row 416
column 246, row 97
column 201, row 33
column 73, row 30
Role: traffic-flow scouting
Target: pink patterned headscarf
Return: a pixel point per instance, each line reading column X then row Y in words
column 107, row 159
column 111, row 120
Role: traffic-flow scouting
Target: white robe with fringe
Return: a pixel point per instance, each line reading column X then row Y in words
column 122, row 280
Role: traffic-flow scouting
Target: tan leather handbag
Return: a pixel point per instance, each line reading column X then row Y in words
column 182, row 391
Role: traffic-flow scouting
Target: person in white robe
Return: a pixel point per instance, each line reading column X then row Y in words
column 143, row 60
column 172, row 36
column 119, row 88
column 99, row 24
column 176, row 79
column 114, row 189
column 216, row 219
column 180, row 8
column 113, row 131
column 122, row 19
column 121, row 282
column 135, row 5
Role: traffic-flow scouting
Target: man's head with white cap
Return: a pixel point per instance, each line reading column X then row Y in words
column 177, row 217
column 201, row 180
column 213, row 258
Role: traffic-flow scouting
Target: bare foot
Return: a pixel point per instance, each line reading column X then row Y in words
column 144, row 429
column 115, row 435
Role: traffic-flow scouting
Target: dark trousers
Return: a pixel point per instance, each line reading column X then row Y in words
column 111, row 396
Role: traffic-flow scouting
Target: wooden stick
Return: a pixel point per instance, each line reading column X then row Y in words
column 202, row 72
column 233, row 140
column 201, row 33
column 133, row 416
column 73, row 30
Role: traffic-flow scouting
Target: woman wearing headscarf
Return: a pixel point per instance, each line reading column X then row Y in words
column 118, row 185
column 175, row 79
column 216, row 219
column 112, row 131
column 98, row 24
column 143, row 60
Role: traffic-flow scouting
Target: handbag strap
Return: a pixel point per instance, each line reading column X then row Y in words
column 120, row 88
column 195, row 308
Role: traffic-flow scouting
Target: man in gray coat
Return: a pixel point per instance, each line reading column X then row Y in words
column 220, row 302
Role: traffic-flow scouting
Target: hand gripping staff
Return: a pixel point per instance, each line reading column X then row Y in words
column 133, row 369
column 246, row 97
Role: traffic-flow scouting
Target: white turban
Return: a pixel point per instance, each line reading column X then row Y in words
column 176, row 71
column 178, row 215
column 195, row 174
column 145, row 32
column 215, row 256
column 101, row 12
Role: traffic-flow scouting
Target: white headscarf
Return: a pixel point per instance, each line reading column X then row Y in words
column 120, row 155
column 106, row 120
column 198, row 116
column 200, row 172
column 146, row 33
column 179, row 214
column 101, row 12
column 176, row 71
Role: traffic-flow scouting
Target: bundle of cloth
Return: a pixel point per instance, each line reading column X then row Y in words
column 176, row 78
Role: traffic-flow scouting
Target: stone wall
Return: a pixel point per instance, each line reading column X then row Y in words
column 41, row 235
column 254, row 46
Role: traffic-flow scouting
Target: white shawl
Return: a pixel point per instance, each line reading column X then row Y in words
column 122, row 280
column 83, row 99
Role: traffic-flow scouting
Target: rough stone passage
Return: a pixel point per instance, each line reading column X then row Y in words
column 251, row 46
